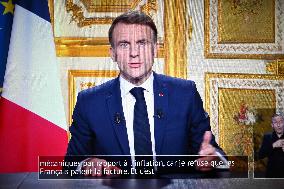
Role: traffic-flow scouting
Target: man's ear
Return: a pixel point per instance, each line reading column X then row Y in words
column 155, row 50
column 112, row 54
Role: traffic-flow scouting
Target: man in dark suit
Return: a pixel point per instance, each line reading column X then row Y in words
column 272, row 147
column 140, row 112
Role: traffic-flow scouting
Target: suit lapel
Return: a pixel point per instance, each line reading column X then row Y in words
column 160, row 110
column 116, row 115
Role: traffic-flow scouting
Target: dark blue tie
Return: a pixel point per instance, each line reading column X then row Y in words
column 141, row 126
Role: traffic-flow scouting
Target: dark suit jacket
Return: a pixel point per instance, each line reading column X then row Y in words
column 178, row 131
column 275, row 164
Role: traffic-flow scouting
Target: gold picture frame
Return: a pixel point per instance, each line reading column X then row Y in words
column 243, row 29
column 275, row 67
column 177, row 33
column 240, row 108
column 81, row 79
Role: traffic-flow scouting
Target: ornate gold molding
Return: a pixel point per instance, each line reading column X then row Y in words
column 175, row 23
column 80, row 19
column 275, row 67
column 117, row 5
column 91, row 6
column 189, row 27
column 87, row 85
column 150, row 6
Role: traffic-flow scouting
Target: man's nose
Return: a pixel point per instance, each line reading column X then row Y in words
column 134, row 51
column 278, row 124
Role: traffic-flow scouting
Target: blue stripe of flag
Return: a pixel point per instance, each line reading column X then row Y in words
column 38, row 7
column 6, row 21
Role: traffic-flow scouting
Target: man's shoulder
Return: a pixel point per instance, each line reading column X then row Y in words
column 268, row 135
column 174, row 81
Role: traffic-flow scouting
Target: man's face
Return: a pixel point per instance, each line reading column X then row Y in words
column 134, row 50
column 278, row 124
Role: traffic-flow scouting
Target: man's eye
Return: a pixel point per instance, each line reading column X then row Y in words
column 142, row 43
column 124, row 45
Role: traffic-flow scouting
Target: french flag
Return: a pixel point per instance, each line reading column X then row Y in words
column 32, row 118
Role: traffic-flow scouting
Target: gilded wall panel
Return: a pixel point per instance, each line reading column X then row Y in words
column 246, row 21
column 244, row 29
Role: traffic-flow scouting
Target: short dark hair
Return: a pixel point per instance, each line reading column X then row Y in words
column 133, row 17
column 277, row 115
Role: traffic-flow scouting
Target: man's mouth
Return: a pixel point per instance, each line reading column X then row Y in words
column 134, row 64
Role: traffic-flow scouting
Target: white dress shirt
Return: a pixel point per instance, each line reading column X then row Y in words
column 128, row 102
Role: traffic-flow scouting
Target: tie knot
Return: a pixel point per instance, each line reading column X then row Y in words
column 137, row 92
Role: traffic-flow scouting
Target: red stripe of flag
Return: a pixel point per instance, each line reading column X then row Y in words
column 24, row 136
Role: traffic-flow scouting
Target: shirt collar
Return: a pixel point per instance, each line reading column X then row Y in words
column 276, row 137
column 126, row 86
